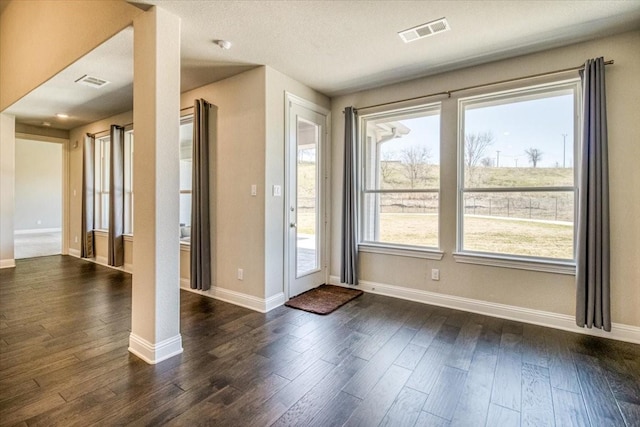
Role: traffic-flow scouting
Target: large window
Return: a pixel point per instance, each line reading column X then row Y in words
column 102, row 176
column 128, row 182
column 517, row 185
column 101, row 183
column 186, row 155
column 401, row 177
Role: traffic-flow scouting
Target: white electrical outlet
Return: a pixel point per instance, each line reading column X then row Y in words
column 240, row 274
column 277, row 191
column 435, row 274
column 75, row 239
column 254, row 189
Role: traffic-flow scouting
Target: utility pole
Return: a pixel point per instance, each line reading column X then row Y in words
column 564, row 151
column 497, row 158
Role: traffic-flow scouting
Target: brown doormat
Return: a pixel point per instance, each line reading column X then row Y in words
column 324, row 299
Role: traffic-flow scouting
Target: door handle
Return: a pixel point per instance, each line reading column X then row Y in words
column 293, row 225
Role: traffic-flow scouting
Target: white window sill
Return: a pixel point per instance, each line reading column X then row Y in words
column 546, row 266
column 128, row 237
column 401, row 251
column 185, row 246
column 101, row 232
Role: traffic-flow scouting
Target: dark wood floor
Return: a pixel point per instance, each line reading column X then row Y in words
column 64, row 327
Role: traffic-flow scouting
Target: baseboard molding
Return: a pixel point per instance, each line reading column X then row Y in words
column 237, row 298
column 101, row 260
column 155, row 353
column 37, row 230
column 7, row 263
column 620, row 332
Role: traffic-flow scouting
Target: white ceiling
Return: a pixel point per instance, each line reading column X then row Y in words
column 335, row 47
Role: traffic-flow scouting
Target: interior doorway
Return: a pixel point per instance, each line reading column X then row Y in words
column 38, row 219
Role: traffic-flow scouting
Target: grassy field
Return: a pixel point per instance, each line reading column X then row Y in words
column 533, row 224
column 483, row 234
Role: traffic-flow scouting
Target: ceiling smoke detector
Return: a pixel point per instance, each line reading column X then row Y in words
column 223, row 44
column 92, row 81
column 424, row 30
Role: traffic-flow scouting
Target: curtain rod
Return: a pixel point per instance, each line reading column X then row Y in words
column 449, row 92
column 107, row 130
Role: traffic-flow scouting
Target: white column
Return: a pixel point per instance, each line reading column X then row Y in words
column 155, row 319
column 7, row 188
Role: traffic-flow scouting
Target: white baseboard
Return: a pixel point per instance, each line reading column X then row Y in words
column 237, row 298
column 565, row 322
column 101, row 260
column 37, row 230
column 7, row 263
column 155, row 353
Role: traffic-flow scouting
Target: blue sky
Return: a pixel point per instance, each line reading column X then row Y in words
column 517, row 126
column 538, row 123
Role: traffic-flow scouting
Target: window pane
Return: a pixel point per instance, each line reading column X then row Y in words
column 401, row 218
column 307, row 244
column 520, row 141
column 402, row 151
column 101, row 184
column 536, row 224
column 186, row 164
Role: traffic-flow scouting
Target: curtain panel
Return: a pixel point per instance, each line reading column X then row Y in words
column 200, row 206
column 87, row 243
column 592, row 253
column 116, row 198
column 349, row 247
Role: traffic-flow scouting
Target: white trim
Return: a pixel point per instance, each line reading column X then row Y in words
column 38, row 230
column 7, row 263
column 185, row 247
column 101, row 260
column 41, row 138
column 290, row 97
column 274, row 301
column 564, row 322
column 401, row 251
column 127, row 237
column 545, row 266
column 155, row 353
column 237, row 298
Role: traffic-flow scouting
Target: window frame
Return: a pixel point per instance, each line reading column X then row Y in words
column 100, row 180
column 129, row 148
column 545, row 264
column 389, row 248
column 186, row 119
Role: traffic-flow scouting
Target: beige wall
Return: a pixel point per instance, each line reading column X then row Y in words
column 277, row 84
column 38, row 185
column 57, row 34
column 240, row 151
column 528, row 289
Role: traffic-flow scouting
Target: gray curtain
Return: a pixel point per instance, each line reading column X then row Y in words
column 349, row 248
column 200, row 219
column 116, row 198
column 592, row 276
column 88, row 159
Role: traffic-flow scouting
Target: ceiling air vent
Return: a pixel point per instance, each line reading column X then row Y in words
column 91, row 81
column 424, row 30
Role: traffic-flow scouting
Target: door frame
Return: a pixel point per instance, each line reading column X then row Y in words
column 290, row 100
column 66, row 200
